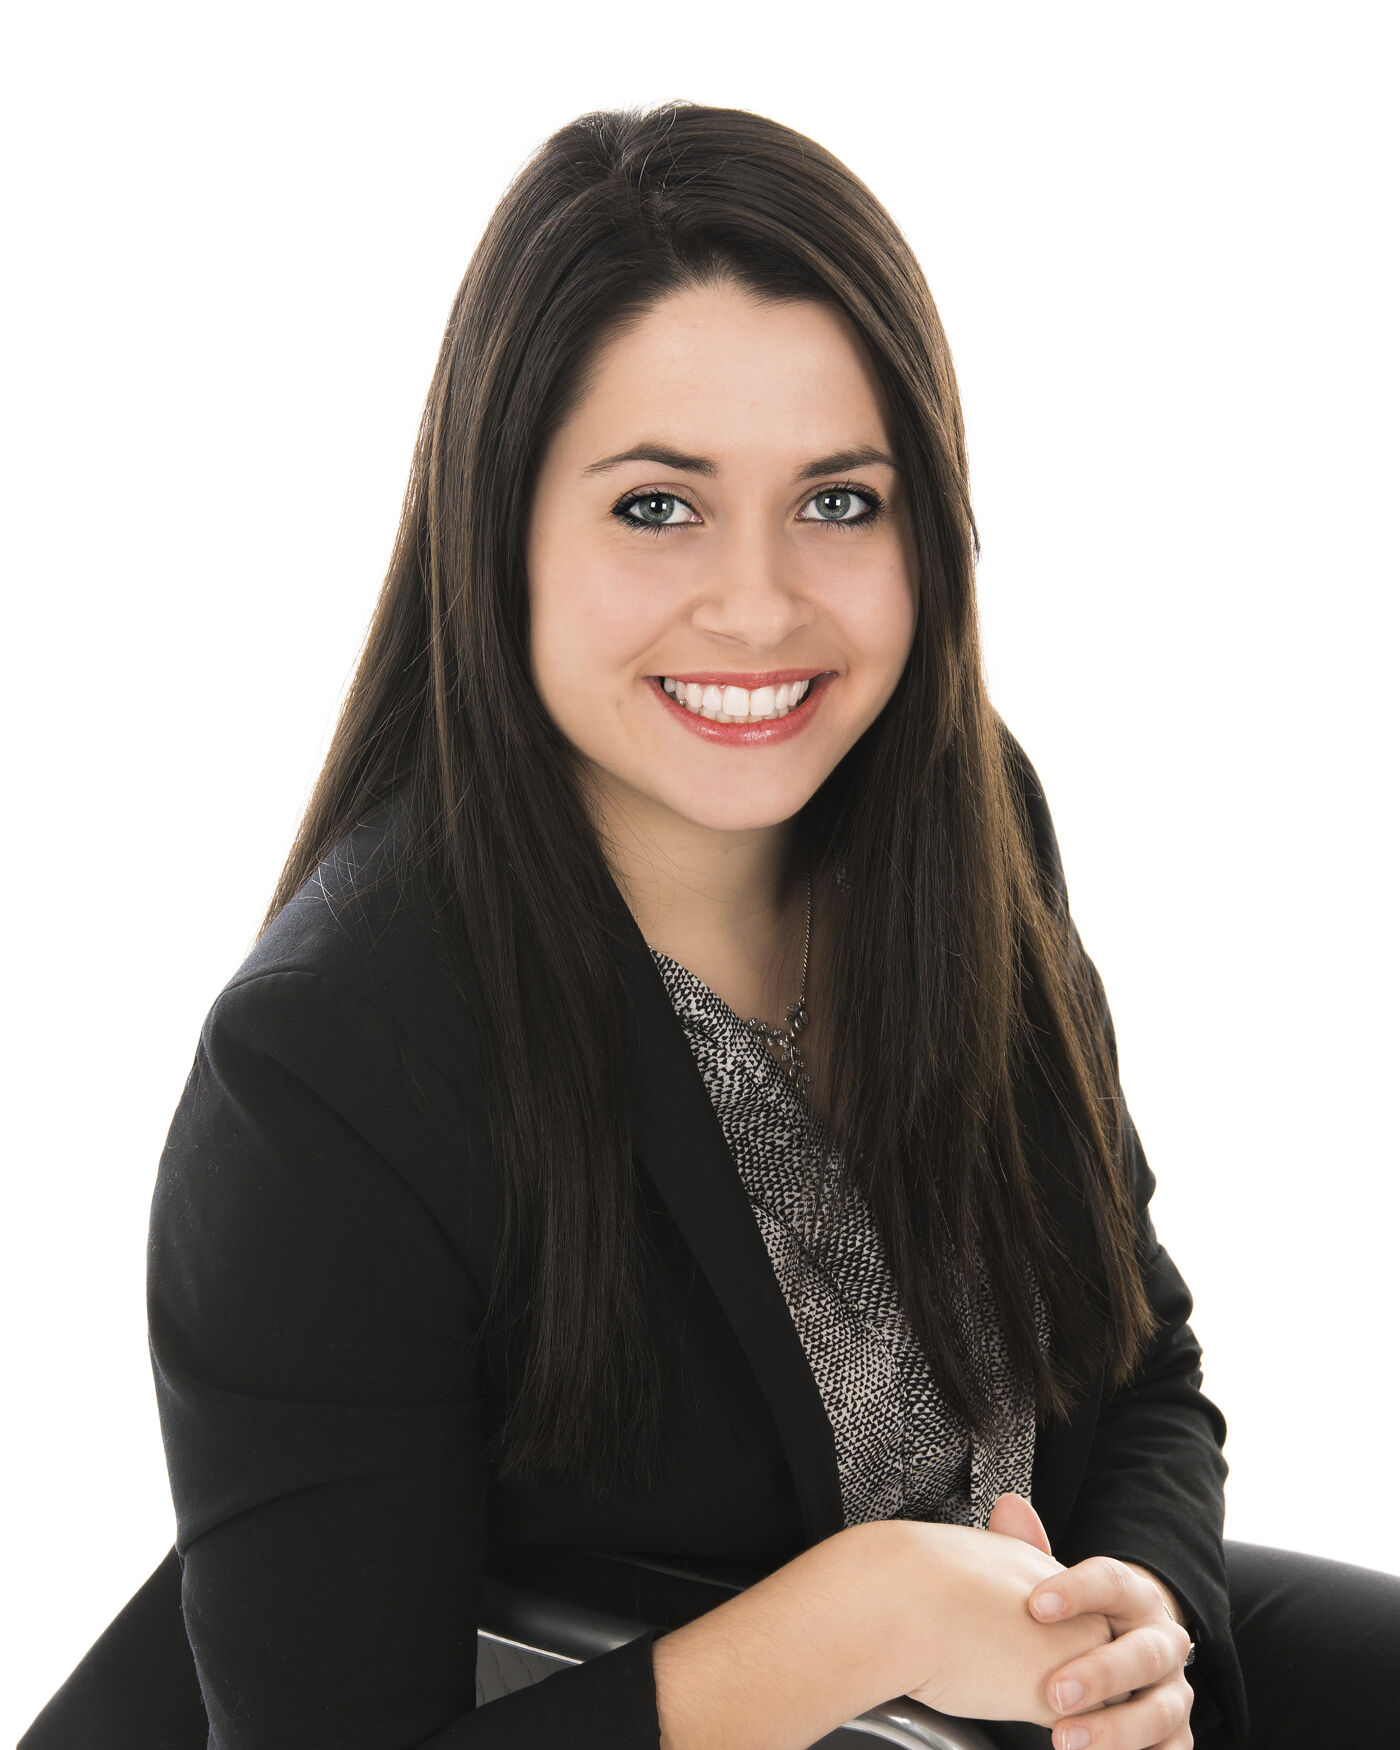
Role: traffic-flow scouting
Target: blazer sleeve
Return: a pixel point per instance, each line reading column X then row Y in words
column 1153, row 1488
column 313, row 1328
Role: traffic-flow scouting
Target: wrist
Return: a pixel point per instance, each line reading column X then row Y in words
column 1169, row 1598
column 922, row 1569
column 792, row 1656
column 880, row 1555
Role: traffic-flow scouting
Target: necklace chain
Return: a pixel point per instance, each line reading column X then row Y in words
column 792, row 1062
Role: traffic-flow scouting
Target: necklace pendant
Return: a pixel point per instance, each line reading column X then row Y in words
column 790, row 1060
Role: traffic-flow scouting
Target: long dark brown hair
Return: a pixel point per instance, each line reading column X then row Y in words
column 957, row 973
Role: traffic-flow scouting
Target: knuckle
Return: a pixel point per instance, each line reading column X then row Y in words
column 1116, row 1577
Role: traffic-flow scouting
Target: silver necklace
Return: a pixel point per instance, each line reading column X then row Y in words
column 792, row 1062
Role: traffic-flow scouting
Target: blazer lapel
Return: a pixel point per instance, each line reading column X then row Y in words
column 678, row 1140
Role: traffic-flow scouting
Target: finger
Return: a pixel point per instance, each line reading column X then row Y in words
column 1151, row 1718
column 1141, row 1657
column 1100, row 1583
column 1013, row 1516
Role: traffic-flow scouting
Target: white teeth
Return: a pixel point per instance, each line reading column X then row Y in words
column 736, row 704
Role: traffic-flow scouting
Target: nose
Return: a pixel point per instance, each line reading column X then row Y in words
column 750, row 593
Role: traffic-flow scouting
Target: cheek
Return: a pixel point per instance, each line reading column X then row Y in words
column 876, row 614
column 590, row 628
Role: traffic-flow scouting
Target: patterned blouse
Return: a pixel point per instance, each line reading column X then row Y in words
column 901, row 1452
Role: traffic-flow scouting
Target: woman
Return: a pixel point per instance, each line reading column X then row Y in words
column 669, row 1107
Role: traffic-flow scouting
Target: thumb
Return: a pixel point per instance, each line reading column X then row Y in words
column 1013, row 1516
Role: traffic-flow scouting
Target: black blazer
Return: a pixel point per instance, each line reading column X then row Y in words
column 321, row 1237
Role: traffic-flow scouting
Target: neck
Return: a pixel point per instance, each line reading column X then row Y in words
column 704, row 891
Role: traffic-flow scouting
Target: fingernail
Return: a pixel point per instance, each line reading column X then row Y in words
column 1068, row 1695
column 1049, row 1604
column 1075, row 1739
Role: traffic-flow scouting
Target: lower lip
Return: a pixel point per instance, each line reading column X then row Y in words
column 748, row 734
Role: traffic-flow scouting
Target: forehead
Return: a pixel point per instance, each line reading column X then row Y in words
column 716, row 366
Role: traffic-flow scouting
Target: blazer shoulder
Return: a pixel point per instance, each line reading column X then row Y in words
column 362, row 923
column 353, row 918
column 344, row 1030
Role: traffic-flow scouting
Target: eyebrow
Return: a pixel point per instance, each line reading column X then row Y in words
column 649, row 451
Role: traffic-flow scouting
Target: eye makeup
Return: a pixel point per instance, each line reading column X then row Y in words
column 622, row 509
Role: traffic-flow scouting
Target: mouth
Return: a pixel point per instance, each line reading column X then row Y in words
column 763, row 731
column 690, row 689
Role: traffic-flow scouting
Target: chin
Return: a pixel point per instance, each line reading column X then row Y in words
column 728, row 812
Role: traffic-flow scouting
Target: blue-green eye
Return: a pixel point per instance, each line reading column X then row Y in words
column 834, row 501
column 658, row 509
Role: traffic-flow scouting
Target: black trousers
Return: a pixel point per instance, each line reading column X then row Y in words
column 1319, row 1647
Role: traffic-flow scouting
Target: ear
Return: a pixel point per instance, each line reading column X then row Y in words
column 1013, row 1516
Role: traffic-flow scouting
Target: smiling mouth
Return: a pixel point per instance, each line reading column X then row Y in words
column 709, row 703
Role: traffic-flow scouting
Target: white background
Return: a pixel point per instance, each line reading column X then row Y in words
column 1158, row 239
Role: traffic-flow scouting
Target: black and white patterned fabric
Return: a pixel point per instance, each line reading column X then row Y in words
column 901, row 1452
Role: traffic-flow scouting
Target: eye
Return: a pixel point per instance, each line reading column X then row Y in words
column 833, row 502
column 656, row 508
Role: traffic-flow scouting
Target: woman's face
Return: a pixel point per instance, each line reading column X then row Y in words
column 714, row 557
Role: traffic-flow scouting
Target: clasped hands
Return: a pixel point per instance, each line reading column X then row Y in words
column 1129, row 1692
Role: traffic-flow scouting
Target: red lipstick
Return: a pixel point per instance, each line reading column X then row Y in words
column 747, row 734
column 768, row 677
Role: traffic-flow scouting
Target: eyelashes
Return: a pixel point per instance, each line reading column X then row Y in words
column 622, row 509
